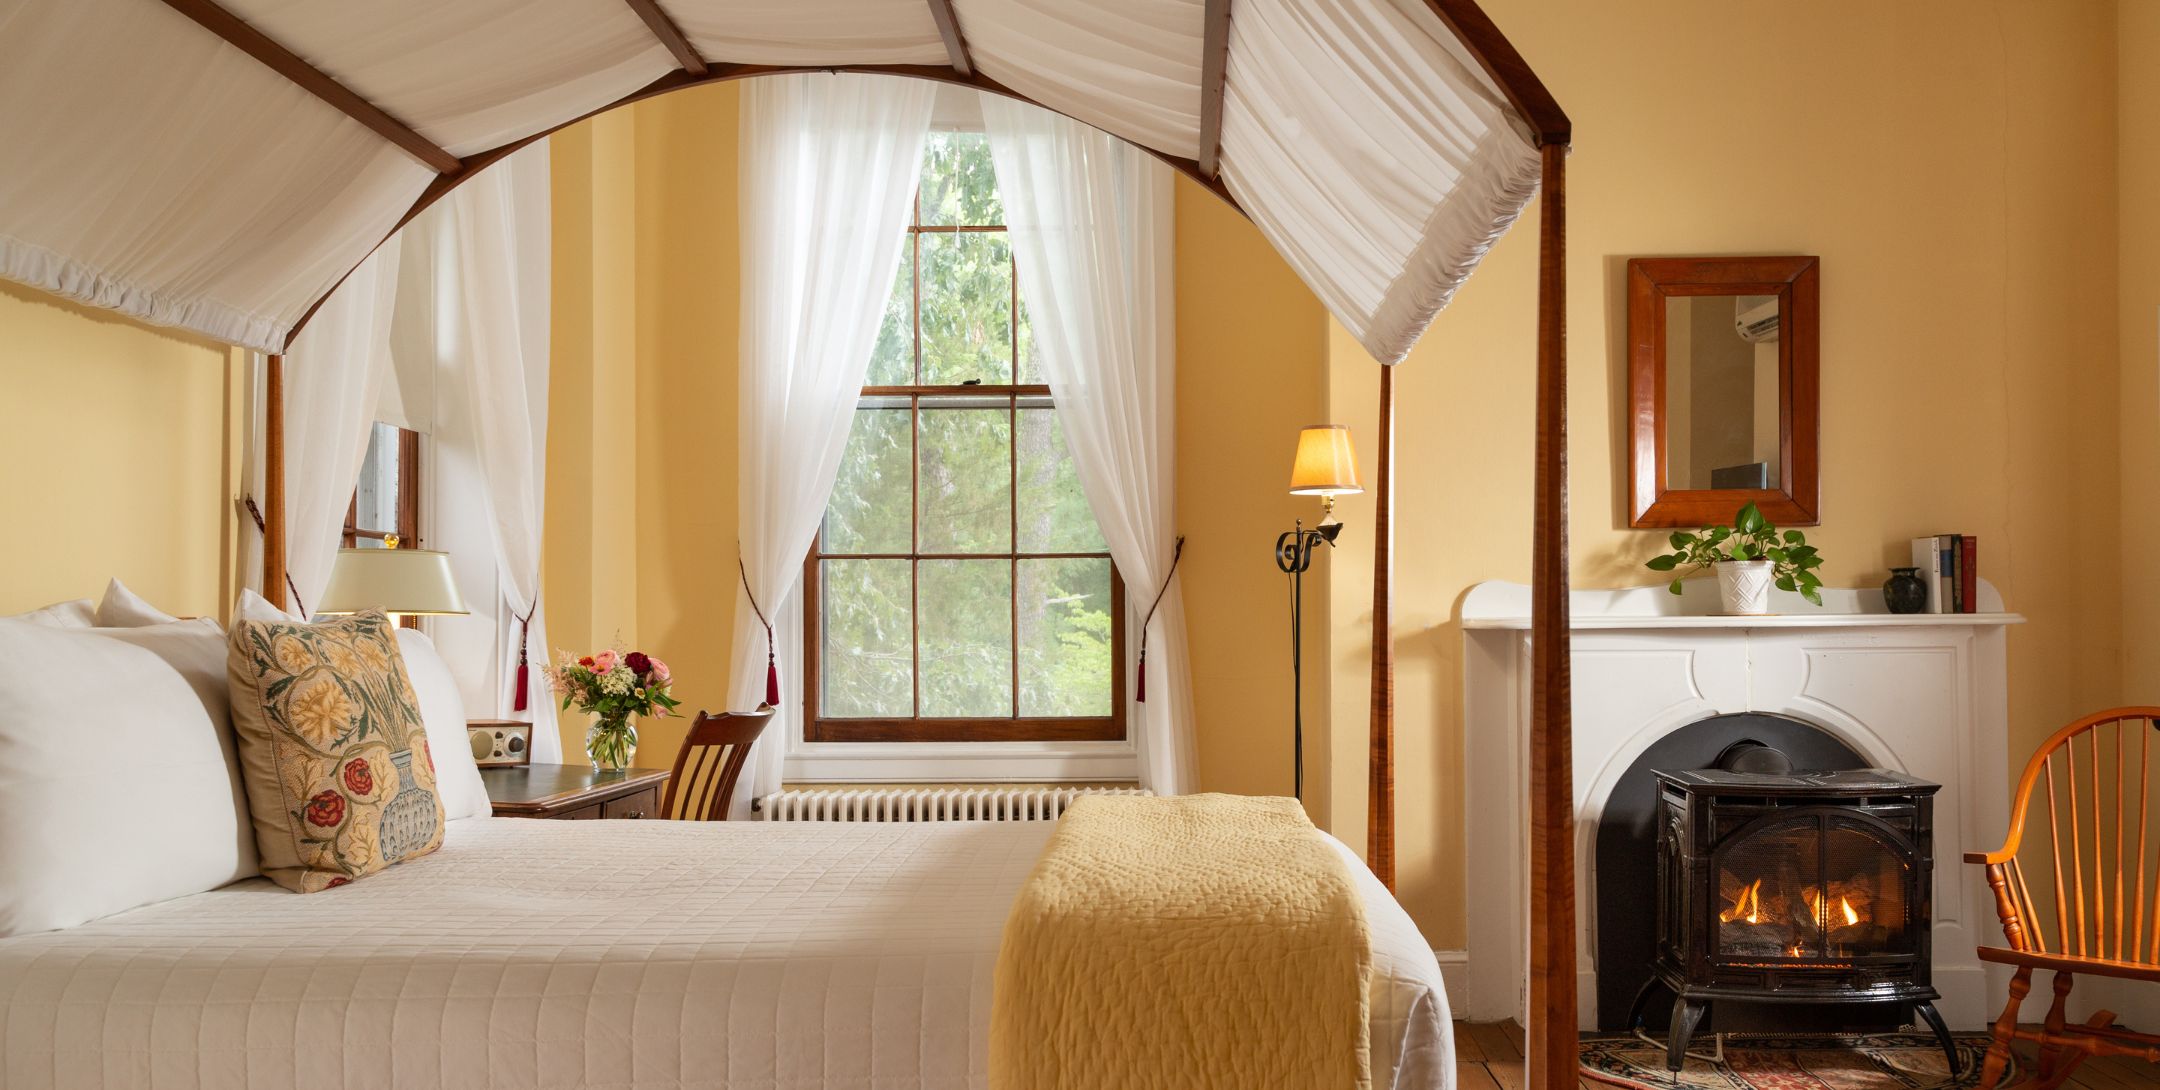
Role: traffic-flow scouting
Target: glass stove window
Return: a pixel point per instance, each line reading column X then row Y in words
column 961, row 588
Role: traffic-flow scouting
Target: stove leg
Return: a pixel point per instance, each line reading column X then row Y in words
column 1686, row 1015
column 1933, row 1018
column 1636, row 1014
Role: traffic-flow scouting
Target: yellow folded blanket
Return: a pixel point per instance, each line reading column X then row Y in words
column 1201, row 941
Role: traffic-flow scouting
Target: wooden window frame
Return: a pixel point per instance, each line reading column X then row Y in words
column 408, row 527
column 918, row 728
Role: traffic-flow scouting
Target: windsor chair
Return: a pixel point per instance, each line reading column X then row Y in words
column 2097, row 779
column 709, row 763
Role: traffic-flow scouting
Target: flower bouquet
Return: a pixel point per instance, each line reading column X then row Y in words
column 612, row 687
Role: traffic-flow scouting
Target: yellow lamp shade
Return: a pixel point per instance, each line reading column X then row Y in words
column 407, row 581
column 1326, row 466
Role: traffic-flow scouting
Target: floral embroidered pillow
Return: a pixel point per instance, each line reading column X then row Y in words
column 338, row 773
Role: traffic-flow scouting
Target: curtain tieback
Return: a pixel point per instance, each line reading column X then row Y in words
column 1140, row 685
column 772, row 665
column 524, row 669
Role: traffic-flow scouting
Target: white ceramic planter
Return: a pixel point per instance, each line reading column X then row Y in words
column 1745, row 586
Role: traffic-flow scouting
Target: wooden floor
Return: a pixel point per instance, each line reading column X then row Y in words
column 1489, row 1056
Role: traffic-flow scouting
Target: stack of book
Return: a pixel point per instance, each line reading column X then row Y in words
column 1948, row 566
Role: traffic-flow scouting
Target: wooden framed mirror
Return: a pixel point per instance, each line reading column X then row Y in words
column 1723, row 389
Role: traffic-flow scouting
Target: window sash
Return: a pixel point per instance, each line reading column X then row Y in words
column 407, row 529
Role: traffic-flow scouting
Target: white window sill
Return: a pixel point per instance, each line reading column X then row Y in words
column 959, row 762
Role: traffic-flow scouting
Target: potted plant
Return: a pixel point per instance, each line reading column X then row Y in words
column 1750, row 557
column 612, row 687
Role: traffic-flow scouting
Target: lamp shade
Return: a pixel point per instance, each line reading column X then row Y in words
column 1326, row 466
column 392, row 580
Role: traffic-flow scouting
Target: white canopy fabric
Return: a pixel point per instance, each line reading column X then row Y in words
column 155, row 169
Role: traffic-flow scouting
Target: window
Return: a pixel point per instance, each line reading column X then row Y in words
column 387, row 501
column 961, row 589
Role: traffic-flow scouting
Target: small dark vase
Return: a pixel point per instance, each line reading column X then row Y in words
column 1905, row 591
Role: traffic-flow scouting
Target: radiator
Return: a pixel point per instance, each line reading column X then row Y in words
column 990, row 803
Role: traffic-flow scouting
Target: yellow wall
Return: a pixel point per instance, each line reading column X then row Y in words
column 119, row 454
column 2138, row 318
column 640, row 545
column 1953, row 165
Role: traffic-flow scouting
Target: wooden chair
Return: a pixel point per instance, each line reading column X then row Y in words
column 710, row 762
column 2098, row 776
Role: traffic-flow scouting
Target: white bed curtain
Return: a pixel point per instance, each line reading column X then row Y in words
column 1090, row 222
column 334, row 376
column 829, row 167
column 493, row 238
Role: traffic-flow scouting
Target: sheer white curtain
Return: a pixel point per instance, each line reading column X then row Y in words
column 829, row 166
column 1090, row 221
column 494, row 239
column 334, row 378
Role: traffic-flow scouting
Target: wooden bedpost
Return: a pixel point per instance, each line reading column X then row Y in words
column 1552, row 1053
column 273, row 505
column 1380, row 763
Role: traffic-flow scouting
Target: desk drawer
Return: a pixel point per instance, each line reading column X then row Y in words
column 641, row 804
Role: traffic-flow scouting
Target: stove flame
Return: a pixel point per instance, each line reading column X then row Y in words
column 1746, row 906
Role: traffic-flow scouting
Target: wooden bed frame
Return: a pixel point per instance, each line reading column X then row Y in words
column 1552, row 1025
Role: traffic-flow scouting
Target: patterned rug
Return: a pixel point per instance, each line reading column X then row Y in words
column 1882, row 1061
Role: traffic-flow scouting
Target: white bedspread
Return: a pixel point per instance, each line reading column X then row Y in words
column 532, row 954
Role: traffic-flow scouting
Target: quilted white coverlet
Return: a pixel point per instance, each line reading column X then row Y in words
column 631, row 954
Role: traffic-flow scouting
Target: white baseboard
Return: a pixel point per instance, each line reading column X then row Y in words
column 1454, row 977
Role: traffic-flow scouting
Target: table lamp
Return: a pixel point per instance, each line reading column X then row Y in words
column 400, row 582
column 1326, row 467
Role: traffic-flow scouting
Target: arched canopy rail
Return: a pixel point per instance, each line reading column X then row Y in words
column 222, row 167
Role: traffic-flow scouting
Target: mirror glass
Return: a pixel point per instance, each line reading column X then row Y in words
column 1721, row 392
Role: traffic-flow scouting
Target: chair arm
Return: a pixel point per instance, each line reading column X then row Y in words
column 1989, row 859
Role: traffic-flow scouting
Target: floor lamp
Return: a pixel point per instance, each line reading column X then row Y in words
column 1325, row 467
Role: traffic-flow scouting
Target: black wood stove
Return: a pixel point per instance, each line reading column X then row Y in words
column 1792, row 887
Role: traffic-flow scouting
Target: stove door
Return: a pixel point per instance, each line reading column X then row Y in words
column 1822, row 884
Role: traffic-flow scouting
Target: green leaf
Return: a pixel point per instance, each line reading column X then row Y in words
column 1784, row 582
column 1795, row 537
column 1662, row 563
column 1680, row 540
column 1750, row 520
column 1675, row 587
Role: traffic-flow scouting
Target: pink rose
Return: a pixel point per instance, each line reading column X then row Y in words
column 660, row 671
column 603, row 662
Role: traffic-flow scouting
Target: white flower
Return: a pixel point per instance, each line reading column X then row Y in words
column 616, row 682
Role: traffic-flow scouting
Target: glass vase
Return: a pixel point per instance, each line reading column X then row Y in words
column 611, row 744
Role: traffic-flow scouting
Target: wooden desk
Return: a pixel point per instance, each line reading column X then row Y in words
column 574, row 792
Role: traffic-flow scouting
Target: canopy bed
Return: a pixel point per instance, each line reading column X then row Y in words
column 225, row 168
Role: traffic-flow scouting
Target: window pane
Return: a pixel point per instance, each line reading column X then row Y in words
column 965, row 476
column 867, row 625
column 892, row 361
column 966, row 309
column 1054, row 513
column 871, row 506
column 959, row 184
column 1029, row 367
column 966, row 638
column 376, row 498
column 1065, row 643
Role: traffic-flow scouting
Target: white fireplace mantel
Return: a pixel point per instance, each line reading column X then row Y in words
column 1924, row 694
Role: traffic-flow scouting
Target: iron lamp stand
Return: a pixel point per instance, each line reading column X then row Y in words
column 1293, row 554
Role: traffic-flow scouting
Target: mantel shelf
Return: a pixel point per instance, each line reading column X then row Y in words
column 1775, row 620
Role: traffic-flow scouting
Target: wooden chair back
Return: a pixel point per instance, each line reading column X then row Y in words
column 2088, row 797
column 709, row 764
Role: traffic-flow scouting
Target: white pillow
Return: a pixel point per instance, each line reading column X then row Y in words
column 80, row 613
column 115, row 790
column 442, row 713
column 123, row 608
column 255, row 607
column 197, row 651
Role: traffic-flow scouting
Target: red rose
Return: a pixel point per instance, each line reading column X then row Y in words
column 338, row 881
column 326, row 809
column 638, row 662
column 586, row 662
column 426, row 753
column 359, row 778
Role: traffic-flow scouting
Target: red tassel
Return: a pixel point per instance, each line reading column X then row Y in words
column 772, row 682
column 524, row 674
column 1140, row 689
